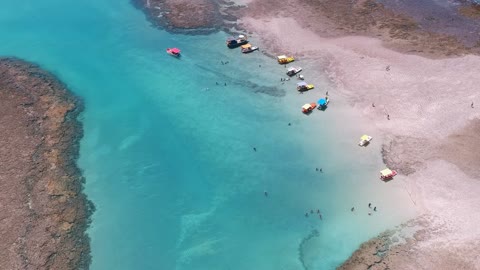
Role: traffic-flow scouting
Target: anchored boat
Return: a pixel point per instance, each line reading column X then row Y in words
column 387, row 174
column 365, row 140
column 308, row 108
column 234, row 42
column 303, row 86
column 291, row 71
column 283, row 59
column 322, row 103
column 248, row 48
column 174, row 52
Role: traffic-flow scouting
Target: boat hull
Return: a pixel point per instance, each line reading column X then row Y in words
column 251, row 50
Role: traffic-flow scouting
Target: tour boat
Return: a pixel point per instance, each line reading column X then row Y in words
column 248, row 48
column 308, row 108
column 364, row 140
column 303, row 86
column 283, row 59
column 234, row 42
column 174, row 52
column 387, row 174
column 293, row 71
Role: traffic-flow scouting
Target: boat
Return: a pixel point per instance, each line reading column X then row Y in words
column 174, row 52
column 234, row 42
column 303, row 86
column 283, row 59
column 322, row 103
column 387, row 174
column 248, row 48
column 308, row 108
column 365, row 140
column 293, row 71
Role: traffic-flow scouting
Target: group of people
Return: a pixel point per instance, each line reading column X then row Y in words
column 311, row 212
column 369, row 206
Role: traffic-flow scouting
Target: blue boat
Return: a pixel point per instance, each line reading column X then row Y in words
column 322, row 103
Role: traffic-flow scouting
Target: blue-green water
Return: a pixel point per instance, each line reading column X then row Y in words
column 168, row 154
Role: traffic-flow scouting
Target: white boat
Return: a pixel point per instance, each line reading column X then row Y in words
column 291, row 71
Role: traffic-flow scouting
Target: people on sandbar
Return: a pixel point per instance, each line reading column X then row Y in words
column 369, row 205
column 471, row 105
column 318, row 211
column 353, row 209
column 311, row 211
column 306, row 214
column 373, row 105
column 225, row 84
column 255, row 149
column 375, row 208
column 320, row 216
column 388, row 116
column 265, row 193
column 289, row 124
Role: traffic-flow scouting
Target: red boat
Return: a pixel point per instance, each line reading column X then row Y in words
column 174, row 52
column 308, row 108
column 387, row 174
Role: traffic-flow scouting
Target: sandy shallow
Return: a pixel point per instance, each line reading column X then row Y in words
column 429, row 137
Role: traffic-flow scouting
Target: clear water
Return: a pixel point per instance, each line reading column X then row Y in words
column 168, row 155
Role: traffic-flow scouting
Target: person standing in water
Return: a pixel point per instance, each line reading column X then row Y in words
column 353, row 209
column 265, row 193
column 370, row 205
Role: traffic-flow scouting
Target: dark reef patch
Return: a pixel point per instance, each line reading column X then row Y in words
column 44, row 211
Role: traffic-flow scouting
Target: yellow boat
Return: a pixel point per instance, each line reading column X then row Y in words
column 365, row 140
column 283, row 59
column 303, row 86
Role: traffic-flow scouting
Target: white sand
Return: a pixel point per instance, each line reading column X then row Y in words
column 426, row 99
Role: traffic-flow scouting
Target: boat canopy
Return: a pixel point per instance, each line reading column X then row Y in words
column 301, row 84
column 175, row 50
column 281, row 57
column 241, row 36
column 322, row 101
column 246, row 46
column 386, row 172
column 306, row 106
column 292, row 69
column 365, row 138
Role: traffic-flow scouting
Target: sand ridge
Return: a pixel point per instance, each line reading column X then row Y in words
column 428, row 102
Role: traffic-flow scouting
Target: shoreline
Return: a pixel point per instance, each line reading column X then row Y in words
column 385, row 63
column 42, row 197
column 425, row 128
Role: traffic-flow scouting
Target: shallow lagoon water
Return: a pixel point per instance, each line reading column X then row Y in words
column 168, row 154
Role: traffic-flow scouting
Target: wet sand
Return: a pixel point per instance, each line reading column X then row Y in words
column 44, row 212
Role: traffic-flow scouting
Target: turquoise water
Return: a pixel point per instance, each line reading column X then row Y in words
column 168, row 154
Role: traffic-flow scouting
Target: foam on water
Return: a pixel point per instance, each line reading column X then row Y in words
column 167, row 154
